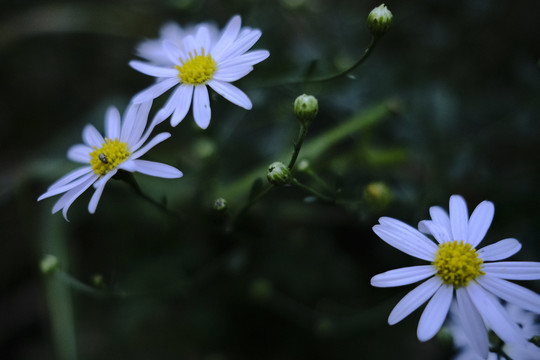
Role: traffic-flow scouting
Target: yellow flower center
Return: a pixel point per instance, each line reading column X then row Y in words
column 197, row 70
column 457, row 263
column 109, row 156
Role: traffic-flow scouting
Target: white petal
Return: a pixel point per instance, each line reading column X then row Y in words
column 157, row 169
column 201, row 106
column 435, row 313
column 514, row 270
column 473, row 326
column 500, row 250
column 191, row 47
column 202, row 37
column 67, row 187
column 155, row 90
column 515, row 294
column 92, row 205
column 242, row 44
column 495, row 315
column 480, row 222
column 229, row 34
column 155, row 140
column 248, row 59
column 439, row 233
column 231, row 93
column 403, row 276
column 69, row 177
column 406, row 238
column 80, row 153
column 459, row 218
column 173, row 52
column 103, row 180
column 178, row 104
column 527, row 351
column 441, row 218
column 231, row 74
column 153, row 70
column 414, row 299
column 68, row 198
column 112, row 123
column 92, row 137
column 133, row 136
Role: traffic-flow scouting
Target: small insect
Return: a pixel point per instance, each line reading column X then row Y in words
column 103, row 158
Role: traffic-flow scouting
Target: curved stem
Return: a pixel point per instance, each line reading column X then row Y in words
column 313, row 191
column 297, row 145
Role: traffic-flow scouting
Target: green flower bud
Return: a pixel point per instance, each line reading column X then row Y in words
column 379, row 20
column 221, row 204
column 306, row 108
column 377, row 196
column 48, row 264
column 303, row 165
column 278, row 174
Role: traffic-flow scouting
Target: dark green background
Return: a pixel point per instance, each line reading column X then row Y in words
column 291, row 279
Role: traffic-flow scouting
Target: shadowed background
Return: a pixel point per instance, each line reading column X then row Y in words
column 455, row 91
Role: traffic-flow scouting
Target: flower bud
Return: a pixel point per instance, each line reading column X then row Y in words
column 278, row 174
column 377, row 195
column 379, row 20
column 306, row 108
column 48, row 264
column 221, row 204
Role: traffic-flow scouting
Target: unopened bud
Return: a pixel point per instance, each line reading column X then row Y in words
column 377, row 195
column 278, row 174
column 220, row 204
column 379, row 20
column 306, row 108
column 48, row 264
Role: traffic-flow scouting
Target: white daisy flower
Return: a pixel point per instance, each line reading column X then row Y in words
column 202, row 60
column 458, row 272
column 124, row 143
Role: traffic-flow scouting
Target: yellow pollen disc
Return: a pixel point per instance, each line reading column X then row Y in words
column 197, row 70
column 109, row 156
column 457, row 263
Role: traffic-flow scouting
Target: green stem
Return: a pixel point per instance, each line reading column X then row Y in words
column 298, row 145
column 313, row 191
column 130, row 179
column 253, row 200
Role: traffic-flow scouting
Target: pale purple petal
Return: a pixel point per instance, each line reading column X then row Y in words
column 133, row 135
column 69, row 177
column 201, row 106
column 190, row 47
column 92, row 137
column 439, row 233
column 112, row 123
column 231, row 93
column 472, row 324
column 242, row 44
column 435, row 313
column 231, row 74
column 414, row 299
column 441, row 218
column 92, row 205
column 248, row 59
column 80, row 153
column 173, row 52
column 513, row 270
column 153, row 70
column 202, row 37
column 480, row 222
column 459, row 218
column 157, row 169
column 155, row 140
column 513, row 293
column 73, row 183
column 68, row 198
column 494, row 315
column 405, row 238
column 500, row 250
column 178, row 104
column 403, row 276
column 155, row 90
column 229, row 34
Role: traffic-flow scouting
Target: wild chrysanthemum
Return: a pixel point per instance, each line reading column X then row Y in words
column 124, row 143
column 458, row 272
column 202, row 60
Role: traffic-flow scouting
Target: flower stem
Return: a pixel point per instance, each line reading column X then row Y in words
column 313, row 191
column 297, row 145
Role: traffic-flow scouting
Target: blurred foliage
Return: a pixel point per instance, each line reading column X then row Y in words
column 456, row 87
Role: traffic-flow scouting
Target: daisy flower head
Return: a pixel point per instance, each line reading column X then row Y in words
column 124, row 143
column 458, row 272
column 202, row 60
